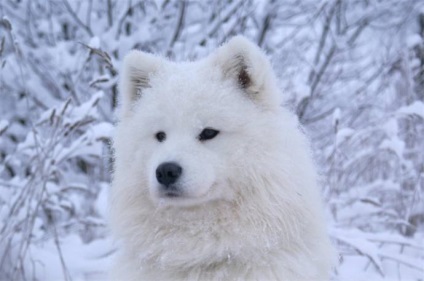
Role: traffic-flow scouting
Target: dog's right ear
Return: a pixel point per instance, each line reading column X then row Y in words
column 136, row 71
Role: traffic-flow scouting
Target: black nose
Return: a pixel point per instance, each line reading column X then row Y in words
column 168, row 173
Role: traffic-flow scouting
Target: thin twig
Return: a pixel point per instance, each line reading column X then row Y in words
column 178, row 28
column 77, row 19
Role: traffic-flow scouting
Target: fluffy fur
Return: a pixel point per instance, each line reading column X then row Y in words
column 251, row 208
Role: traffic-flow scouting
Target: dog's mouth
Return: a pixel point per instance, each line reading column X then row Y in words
column 175, row 199
column 178, row 196
column 171, row 194
column 170, row 191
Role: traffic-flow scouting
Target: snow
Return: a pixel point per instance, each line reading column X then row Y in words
column 102, row 130
column 364, row 117
column 382, row 258
column 416, row 108
column 395, row 145
column 4, row 124
column 413, row 40
column 336, row 116
column 94, row 42
column 86, row 109
column 344, row 134
column 83, row 261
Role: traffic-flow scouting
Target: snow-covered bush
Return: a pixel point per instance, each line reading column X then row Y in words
column 352, row 70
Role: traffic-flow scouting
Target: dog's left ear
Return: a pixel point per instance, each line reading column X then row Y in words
column 244, row 62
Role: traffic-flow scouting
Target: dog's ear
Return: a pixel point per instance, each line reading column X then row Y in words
column 244, row 62
column 136, row 71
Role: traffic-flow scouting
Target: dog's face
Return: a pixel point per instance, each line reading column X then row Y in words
column 189, row 134
column 190, row 123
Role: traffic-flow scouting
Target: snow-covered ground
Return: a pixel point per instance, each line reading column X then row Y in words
column 353, row 71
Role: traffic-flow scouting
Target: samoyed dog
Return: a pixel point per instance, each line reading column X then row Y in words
column 213, row 178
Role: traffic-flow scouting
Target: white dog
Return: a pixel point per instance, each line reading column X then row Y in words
column 213, row 179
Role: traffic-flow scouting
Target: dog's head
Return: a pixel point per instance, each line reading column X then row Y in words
column 186, row 127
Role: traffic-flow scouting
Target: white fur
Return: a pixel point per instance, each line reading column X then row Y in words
column 251, row 209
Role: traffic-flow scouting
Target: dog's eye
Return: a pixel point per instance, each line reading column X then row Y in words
column 160, row 136
column 208, row 134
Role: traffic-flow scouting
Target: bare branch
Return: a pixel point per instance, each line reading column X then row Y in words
column 77, row 19
column 178, row 28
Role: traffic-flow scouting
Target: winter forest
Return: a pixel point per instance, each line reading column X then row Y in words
column 352, row 70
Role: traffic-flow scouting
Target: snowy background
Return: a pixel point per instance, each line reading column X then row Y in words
column 353, row 71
